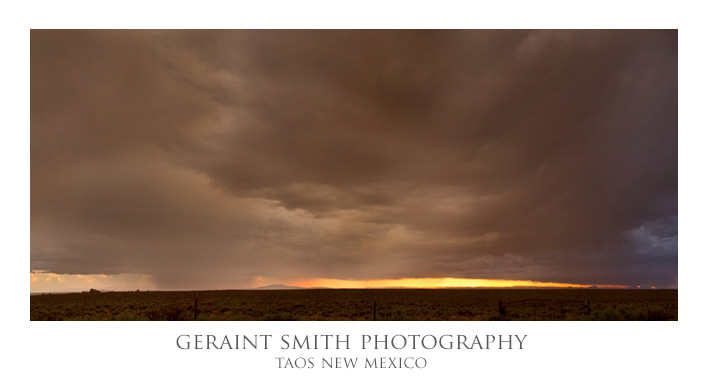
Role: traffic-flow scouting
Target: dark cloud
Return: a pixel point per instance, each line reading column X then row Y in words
column 207, row 158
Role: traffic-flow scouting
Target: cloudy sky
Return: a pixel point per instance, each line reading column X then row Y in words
column 229, row 159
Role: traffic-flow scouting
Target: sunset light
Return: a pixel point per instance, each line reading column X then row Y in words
column 445, row 282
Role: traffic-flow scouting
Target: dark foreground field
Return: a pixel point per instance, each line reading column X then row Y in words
column 361, row 304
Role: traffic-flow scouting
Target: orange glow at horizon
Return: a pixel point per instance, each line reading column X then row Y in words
column 47, row 282
column 431, row 283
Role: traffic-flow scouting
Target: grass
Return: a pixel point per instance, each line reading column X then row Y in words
column 357, row 304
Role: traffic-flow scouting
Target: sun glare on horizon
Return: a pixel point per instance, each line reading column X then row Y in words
column 441, row 282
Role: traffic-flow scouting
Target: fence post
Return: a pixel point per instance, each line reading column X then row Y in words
column 196, row 306
column 375, row 308
column 588, row 307
column 501, row 308
column 535, row 313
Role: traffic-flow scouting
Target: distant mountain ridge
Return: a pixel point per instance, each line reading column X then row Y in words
column 279, row 287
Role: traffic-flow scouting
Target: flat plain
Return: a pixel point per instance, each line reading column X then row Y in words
column 361, row 304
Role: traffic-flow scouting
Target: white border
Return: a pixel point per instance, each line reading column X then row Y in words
column 147, row 351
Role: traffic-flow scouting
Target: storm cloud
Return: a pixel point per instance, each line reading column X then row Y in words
column 210, row 158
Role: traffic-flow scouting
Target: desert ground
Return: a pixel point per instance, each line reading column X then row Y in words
column 360, row 304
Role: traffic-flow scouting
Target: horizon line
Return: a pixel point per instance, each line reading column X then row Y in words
column 295, row 288
column 48, row 282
